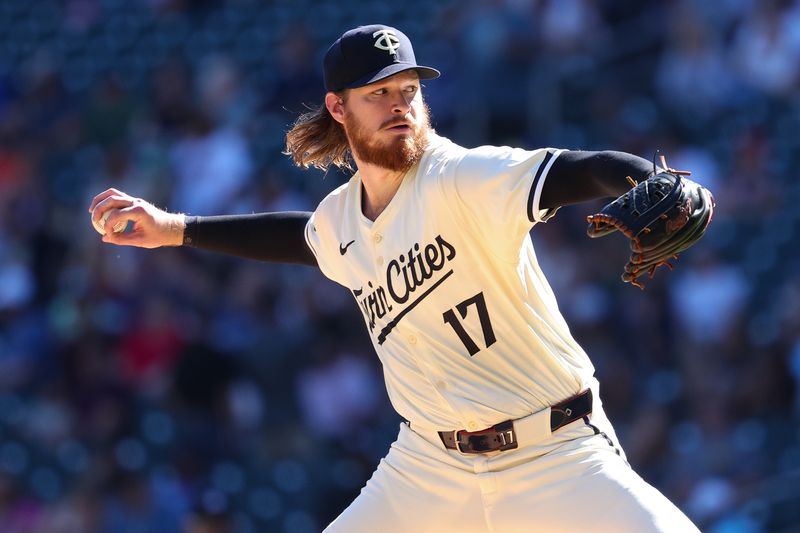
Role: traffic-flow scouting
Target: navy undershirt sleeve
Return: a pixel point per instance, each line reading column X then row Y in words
column 579, row 176
column 274, row 237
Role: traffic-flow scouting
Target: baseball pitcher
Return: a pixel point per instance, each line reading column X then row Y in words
column 504, row 427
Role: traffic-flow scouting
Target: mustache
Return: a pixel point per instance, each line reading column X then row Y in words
column 397, row 122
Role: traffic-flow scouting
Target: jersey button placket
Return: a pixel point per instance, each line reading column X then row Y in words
column 377, row 238
column 376, row 255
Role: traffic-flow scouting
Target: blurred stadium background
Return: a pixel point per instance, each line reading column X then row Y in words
column 176, row 390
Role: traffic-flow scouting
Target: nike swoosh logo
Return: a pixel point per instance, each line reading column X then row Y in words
column 343, row 247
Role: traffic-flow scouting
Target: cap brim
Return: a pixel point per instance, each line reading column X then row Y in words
column 425, row 73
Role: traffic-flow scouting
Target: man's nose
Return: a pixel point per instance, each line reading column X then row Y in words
column 401, row 103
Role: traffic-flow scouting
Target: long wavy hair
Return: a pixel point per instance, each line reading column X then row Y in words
column 318, row 140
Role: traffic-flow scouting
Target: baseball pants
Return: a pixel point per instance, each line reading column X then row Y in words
column 575, row 479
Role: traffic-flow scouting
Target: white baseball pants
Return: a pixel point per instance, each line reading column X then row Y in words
column 568, row 481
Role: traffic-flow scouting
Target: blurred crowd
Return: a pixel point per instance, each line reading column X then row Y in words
column 177, row 390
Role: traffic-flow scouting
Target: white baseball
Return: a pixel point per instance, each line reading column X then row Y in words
column 100, row 225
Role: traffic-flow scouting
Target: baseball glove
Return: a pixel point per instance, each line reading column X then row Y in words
column 662, row 216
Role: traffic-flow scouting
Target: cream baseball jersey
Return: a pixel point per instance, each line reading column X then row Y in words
column 465, row 325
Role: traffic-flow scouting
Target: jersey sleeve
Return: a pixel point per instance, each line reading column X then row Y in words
column 315, row 234
column 322, row 229
column 499, row 189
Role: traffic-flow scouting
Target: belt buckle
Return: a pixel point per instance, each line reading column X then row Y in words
column 458, row 444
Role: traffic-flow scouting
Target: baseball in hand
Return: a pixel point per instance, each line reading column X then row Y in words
column 100, row 225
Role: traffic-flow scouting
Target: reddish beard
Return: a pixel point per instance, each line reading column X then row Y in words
column 398, row 154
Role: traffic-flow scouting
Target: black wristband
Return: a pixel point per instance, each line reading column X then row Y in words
column 190, row 231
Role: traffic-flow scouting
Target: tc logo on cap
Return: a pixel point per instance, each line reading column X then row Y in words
column 388, row 41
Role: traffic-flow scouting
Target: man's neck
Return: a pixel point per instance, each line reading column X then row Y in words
column 380, row 186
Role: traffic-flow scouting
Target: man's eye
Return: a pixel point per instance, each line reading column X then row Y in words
column 412, row 89
column 379, row 92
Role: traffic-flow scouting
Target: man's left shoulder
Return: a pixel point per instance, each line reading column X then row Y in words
column 442, row 149
column 505, row 152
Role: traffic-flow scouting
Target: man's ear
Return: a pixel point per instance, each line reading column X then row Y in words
column 335, row 106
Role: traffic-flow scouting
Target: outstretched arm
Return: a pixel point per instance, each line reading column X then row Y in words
column 579, row 176
column 276, row 237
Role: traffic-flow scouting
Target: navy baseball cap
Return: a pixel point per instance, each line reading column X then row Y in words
column 367, row 54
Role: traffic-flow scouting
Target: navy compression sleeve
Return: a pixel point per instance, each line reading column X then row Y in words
column 578, row 176
column 275, row 237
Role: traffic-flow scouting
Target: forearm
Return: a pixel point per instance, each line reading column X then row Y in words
column 579, row 176
column 275, row 237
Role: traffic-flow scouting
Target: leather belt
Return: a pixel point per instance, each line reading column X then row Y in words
column 502, row 436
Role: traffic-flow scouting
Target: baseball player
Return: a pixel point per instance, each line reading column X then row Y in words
column 504, row 428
